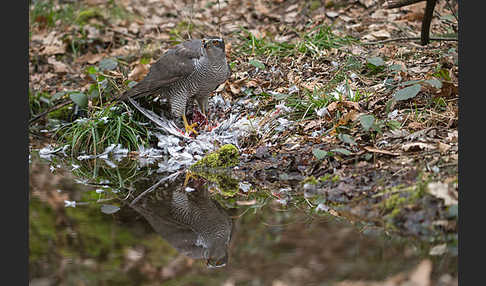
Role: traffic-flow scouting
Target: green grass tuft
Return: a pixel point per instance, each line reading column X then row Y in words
column 110, row 125
column 309, row 43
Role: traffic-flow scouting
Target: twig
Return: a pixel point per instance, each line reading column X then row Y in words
column 170, row 177
column 452, row 10
column 219, row 20
column 409, row 39
column 56, row 107
column 398, row 4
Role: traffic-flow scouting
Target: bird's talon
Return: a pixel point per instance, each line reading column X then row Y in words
column 190, row 128
column 186, row 180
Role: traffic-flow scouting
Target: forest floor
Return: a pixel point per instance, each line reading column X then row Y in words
column 336, row 110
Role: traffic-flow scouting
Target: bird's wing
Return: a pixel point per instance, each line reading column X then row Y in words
column 175, row 64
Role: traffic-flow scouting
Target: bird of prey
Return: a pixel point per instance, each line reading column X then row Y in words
column 190, row 70
column 192, row 222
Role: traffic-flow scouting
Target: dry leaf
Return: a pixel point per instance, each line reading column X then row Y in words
column 415, row 126
column 59, row 67
column 90, row 58
column 52, row 50
column 381, row 34
column 448, row 89
column 374, row 150
column 235, row 89
column 367, row 3
column 441, row 191
column 246, row 203
column 443, row 148
column 337, row 104
column 438, row 249
column 139, row 72
column 417, row 146
column 252, row 83
column 261, row 8
column 421, row 275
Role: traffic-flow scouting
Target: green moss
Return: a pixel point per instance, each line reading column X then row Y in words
column 42, row 229
column 314, row 5
column 310, row 180
column 87, row 14
column 395, row 202
column 63, row 113
column 213, row 168
column 160, row 253
column 328, row 177
column 227, row 185
column 227, row 156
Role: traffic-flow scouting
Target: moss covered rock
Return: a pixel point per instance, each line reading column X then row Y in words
column 227, row 156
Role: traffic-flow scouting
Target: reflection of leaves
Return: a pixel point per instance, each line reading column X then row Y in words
column 408, row 92
column 79, row 98
column 109, row 209
column 367, row 121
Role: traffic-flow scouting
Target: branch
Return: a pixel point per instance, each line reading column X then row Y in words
column 452, row 10
column 408, row 39
column 56, row 107
column 429, row 11
column 402, row 3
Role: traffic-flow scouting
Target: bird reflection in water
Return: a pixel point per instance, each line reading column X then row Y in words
column 189, row 219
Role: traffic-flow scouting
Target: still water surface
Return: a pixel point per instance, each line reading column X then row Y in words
column 115, row 226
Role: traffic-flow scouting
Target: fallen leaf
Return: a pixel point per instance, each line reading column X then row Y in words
column 234, row 89
column 52, row 50
column 252, row 83
column 109, row 209
column 417, row 146
column 441, row 191
column 421, row 275
column 90, row 58
column 381, row 34
column 448, row 89
column 407, row 92
column 443, row 148
column 438, row 249
column 246, row 203
column 385, row 152
column 336, row 104
column 415, row 125
column 332, row 14
column 139, row 72
column 59, row 67
column 367, row 3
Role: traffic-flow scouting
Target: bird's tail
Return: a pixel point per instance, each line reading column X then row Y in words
column 141, row 89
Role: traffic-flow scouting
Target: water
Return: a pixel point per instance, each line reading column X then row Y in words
column 93, row 224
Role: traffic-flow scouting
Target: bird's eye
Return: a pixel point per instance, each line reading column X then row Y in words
column 218, row 43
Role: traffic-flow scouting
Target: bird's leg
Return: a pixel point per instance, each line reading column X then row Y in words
column 202, row 102
column 188, row 176
column 188, row 127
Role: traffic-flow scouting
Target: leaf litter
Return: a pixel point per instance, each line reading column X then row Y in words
column 293, row 109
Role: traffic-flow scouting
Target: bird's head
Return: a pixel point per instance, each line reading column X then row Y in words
column 214, row 46
column 218, row 259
